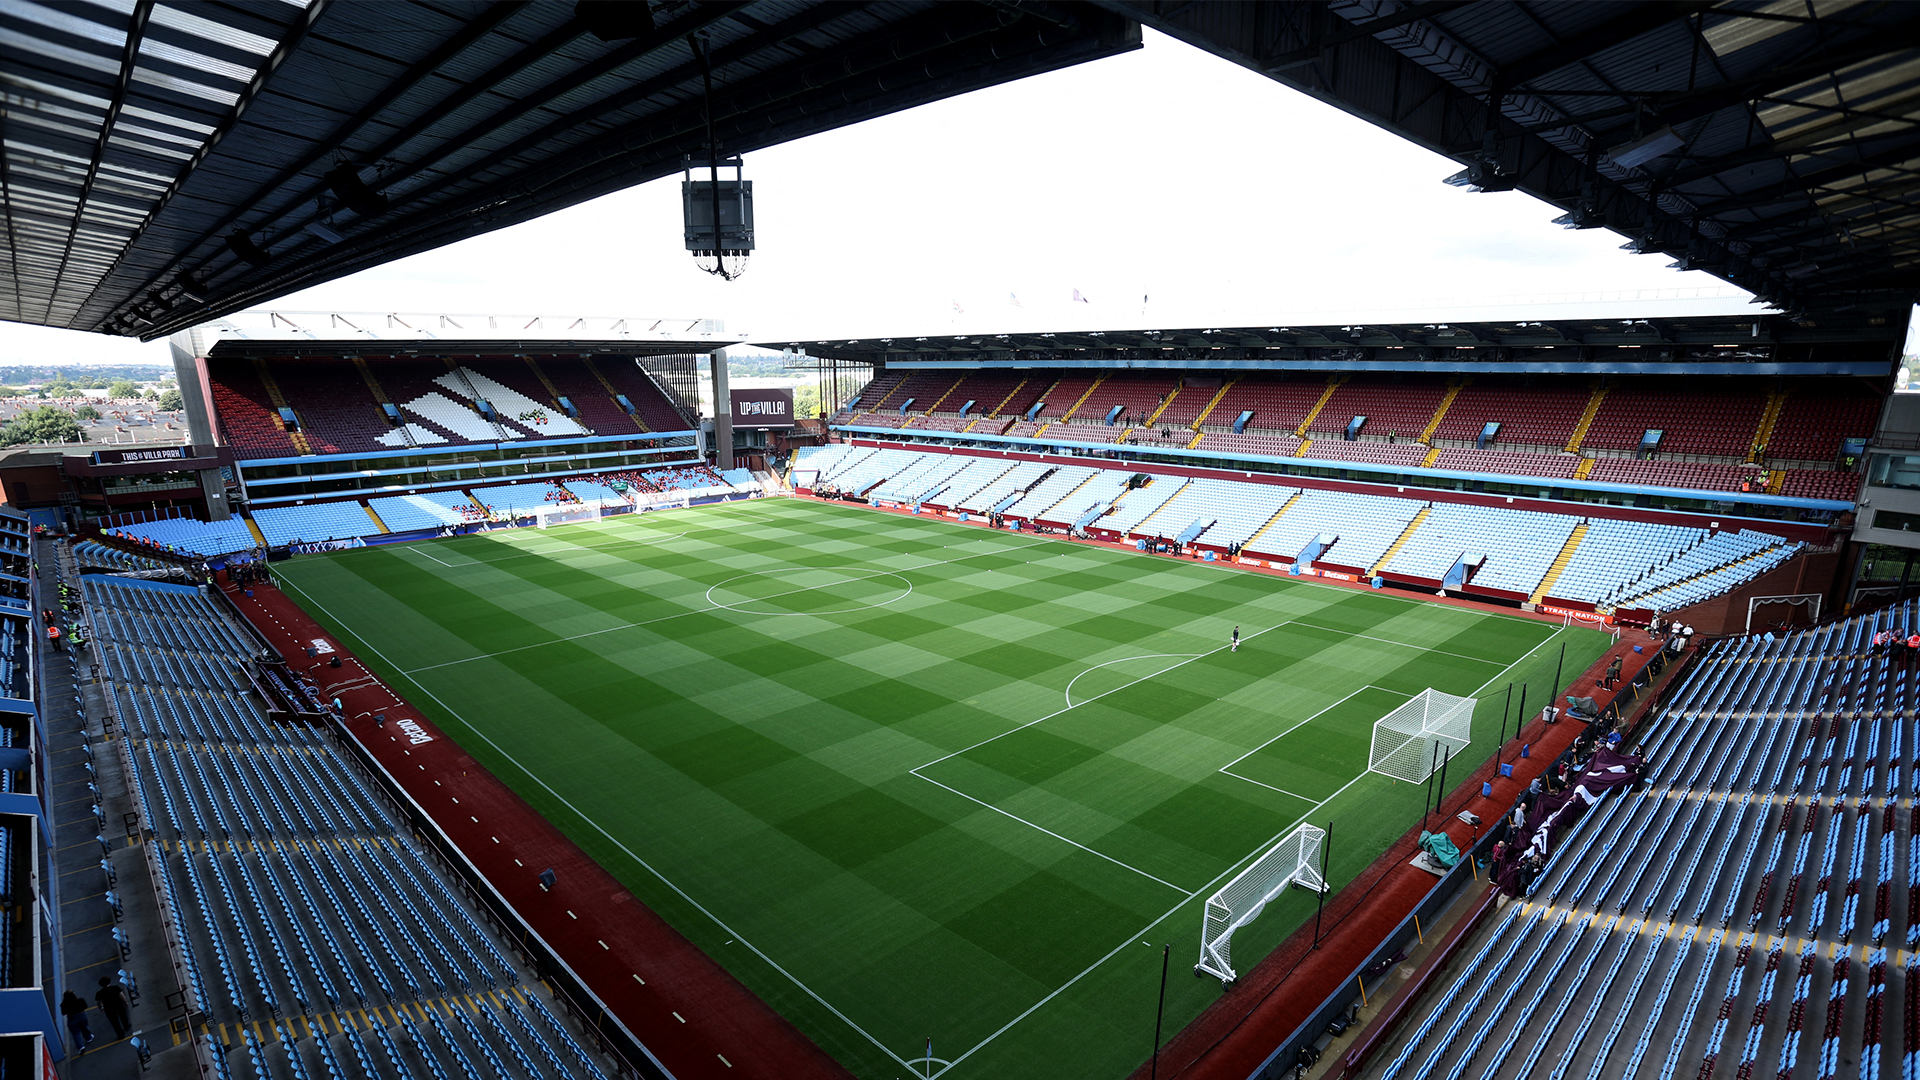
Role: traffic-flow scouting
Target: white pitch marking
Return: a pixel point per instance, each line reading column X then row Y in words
column 810, row 588
column 615, row 841
column 1036, row 1006
column 1094, row 698
column 1122, row 660
column 1303, row 723
column 683, row 614
column 1224, row 874
column 1055, row 835
column 1390, row 641
column 422, row 551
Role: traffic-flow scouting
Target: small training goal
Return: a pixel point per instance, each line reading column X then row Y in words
column 1295, row 860
column 1410, row 742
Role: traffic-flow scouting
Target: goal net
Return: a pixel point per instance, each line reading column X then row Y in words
column 1410, row 742
column 565, row 514
column 1295, row 860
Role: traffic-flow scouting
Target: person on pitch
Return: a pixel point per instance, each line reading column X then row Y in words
column 1234, row 645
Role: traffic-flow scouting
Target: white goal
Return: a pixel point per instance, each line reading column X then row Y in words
column 565, row 514
column 1295, row 860
column 1411, row 741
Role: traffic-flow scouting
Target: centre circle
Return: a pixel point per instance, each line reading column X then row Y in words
column 809, row 590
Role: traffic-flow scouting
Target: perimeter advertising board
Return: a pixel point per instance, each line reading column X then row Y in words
column 768, row 408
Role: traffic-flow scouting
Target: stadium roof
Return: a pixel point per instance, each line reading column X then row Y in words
column 139, row 135
column 1722, row 344
column 1772, row 143
column 381, row 333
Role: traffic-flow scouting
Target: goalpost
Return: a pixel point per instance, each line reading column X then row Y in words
column 1410, row 741
column 565, row 514
column 1295, row 860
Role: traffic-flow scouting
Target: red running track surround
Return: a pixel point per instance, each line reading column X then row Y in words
column 602, row 932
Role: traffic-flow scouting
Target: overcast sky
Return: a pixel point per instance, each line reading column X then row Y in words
column 1217, row 195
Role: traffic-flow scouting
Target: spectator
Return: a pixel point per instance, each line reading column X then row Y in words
column 74, row 1008
column 113, row 1001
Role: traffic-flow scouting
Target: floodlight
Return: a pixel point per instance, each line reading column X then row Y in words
column 190, row 290
column 1628, row 155
column 325, row 232
column 1580, row 217
column 1481, row 176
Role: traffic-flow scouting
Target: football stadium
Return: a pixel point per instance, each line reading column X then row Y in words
column 431, row 696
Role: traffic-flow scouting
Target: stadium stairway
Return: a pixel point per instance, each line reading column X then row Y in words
column 1776, row 403
column 1454, row 386
column 105, row 896
column 1333, row 384
column 279, row 401
column 1274, row 520
column 1559, row 564
column 1002, row 403
column 1585, row 422
column 1219, row 396
column 1153, row 418
column 1400, row 541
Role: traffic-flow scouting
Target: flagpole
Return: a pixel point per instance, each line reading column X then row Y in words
column 1153, row 1071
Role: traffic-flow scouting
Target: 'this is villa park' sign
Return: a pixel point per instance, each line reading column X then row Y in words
column 762, row 408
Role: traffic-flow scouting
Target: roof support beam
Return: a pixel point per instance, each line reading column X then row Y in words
column 129, row 60
column 1641, row 19
column 1307, row 54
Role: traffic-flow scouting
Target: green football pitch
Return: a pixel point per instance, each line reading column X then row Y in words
column 910, row 778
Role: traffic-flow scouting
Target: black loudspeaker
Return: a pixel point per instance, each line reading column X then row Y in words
column 614, row 20
column 246, row 250
column 354, row 193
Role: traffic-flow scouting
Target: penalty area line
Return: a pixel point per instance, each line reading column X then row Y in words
column 1143, row 931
